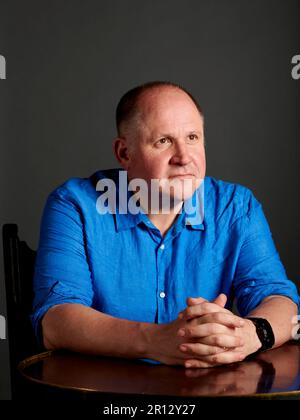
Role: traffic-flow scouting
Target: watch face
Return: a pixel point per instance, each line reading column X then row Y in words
column 264, row 332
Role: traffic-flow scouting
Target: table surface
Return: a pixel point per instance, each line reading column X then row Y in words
column 275, row 372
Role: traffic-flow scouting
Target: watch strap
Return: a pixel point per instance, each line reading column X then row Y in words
column 264, row 332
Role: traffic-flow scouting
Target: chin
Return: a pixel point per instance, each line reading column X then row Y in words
column 179, row 196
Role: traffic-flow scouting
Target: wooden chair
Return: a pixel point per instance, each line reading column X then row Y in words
column 19, row 262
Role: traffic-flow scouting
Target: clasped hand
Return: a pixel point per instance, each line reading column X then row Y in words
column 214, row 335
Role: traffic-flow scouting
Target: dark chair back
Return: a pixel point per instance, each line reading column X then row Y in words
column 19, row 262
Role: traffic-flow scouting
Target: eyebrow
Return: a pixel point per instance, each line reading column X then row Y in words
column 170, row 135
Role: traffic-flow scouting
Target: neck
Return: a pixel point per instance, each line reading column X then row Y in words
column 162, row 210
column 162, row 221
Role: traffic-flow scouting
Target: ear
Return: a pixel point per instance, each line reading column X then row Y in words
column 120, row 149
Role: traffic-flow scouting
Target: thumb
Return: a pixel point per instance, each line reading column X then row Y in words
column 221, row 300
column 195, row 301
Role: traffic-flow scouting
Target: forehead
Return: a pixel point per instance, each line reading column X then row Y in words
column 168, row 108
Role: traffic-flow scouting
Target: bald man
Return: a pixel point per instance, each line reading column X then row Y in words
column 159, row 285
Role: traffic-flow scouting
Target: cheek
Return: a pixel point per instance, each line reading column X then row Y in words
column 145, row 166
column 200, row 162
column 154, row 168
column 203, row 162
column 153, row 165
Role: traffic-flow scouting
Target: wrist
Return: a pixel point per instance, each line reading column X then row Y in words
column 264, row 333
column 149, row 333
column 255, row 343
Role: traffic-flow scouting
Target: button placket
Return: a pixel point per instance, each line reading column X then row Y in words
column 161, row 295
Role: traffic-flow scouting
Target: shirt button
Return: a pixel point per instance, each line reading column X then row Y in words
column 162, row 294
column 162, row 247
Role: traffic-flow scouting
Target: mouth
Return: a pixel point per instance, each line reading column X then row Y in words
column 182, row 176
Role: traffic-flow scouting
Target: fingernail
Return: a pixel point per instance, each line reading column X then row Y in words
column 181, row 332
column 180, row 315
column 241, row 322
column 188, row 364
column 183, row 348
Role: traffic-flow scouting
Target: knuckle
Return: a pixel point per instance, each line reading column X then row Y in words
column 238, row 342
column 206, row 306
column 198, row 321
column 189, row 330
column 217, row 340
column 212, row 317
column 215, row 350
column 219, row 316
column 194, row 322
column 215, row 359
column 188, row 311
column 192, row 348
column 214, row 328
column 204, row 350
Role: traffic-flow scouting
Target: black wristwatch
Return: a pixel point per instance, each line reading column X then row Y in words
column 264, row 332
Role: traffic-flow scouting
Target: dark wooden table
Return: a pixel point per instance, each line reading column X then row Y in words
column 271, row 374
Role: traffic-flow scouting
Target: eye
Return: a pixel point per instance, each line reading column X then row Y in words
column 193, row 137
column 163, row 141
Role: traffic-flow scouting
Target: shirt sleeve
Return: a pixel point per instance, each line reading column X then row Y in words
column 62, row 273
column 259, row 272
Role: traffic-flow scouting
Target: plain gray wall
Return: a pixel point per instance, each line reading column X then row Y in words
column 68, row 62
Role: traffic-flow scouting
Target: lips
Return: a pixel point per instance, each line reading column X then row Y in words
column 181, row 176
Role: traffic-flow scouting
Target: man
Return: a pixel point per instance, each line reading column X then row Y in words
column 151, row 285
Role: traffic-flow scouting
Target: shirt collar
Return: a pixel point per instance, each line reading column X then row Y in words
column 191, row 216
column 194, row 209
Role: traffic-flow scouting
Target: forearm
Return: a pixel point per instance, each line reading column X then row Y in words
column 279, row 311
column 85, row 330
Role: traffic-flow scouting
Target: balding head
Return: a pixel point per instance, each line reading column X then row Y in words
column 137, row 101
column 161, row 136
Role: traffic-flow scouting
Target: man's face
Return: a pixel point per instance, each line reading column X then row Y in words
column 168, row 141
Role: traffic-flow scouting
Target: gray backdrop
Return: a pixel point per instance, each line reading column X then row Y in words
column 68, row 62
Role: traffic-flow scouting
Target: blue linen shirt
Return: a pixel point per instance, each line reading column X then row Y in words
column 121, row 265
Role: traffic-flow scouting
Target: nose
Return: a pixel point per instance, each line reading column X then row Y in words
column 181, row 155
